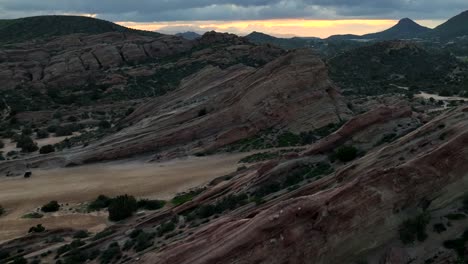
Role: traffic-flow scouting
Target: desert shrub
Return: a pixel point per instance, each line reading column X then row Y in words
column 104, row 124
column 4, row 254
column 37, row 229
column 456, row 216
column 103, row 234
column 202, row 112
column 229, row 202
column 27, row 131
column 439, row 228
column 186, row 197
column 61, row 131
column 143, row 241
column 72, row 119
column 166, row 228
column 33, row 215
column 47, row 149
column 346, row 153
column 73, row 245
column 267, row 189
column 458, row 245
column 52, row 206
column 42, row 133
column 414, row 228
column 150, row 204
column 81, row 234
column 112, row 253
column 122, row 207
column 26, row 144
column 20, row 260
column 129, row 111
column 101, row 202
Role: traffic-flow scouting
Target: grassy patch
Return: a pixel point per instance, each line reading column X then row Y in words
column 186, row 196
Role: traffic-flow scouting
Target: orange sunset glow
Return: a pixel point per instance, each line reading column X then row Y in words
column 277, row 27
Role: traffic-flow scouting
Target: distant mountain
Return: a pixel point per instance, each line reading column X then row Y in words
column 285, row 43
column 404, row 29
column 455, row 27
column 24, row 29
column 189, row 35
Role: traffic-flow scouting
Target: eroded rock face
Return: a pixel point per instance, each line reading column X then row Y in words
column 76, row 58
column 216, row 107
column 347, row 215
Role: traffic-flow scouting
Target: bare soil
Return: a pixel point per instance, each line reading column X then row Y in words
column 82, row 184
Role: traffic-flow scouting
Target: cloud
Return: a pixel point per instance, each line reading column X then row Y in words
column 224, row 10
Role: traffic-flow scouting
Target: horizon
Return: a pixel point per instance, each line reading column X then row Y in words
column 280, row 18
column 278, row 27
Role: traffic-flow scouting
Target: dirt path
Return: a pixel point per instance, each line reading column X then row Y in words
column 81, row 184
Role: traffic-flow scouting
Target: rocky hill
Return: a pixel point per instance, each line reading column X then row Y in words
column 43, row 27
column 382, row 65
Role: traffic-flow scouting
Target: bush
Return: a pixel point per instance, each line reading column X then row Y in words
column 414, row 228
column 182, row 198
column 122, row 207
column 33, row 216
column 150, row 204
column 100, row 203
column 42, row 133
column 346, row 153
column 103, row 234
column 20, row 260
column 2, row 210
column 27, row 131
column 26, row 144
column 47, row 149
column 2, row 145
column 52, row 206
column 111, row 253
column 143, row 241
column 104, row 124
column 62, row 131
column 37, row 229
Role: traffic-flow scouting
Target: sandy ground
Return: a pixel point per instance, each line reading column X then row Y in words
column 82, row 184
column 9, row 145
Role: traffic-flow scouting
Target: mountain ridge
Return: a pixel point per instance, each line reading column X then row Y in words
column 40, row 27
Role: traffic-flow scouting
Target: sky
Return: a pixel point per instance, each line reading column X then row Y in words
column 319, row 18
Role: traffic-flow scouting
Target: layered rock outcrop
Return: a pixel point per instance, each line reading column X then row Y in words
column 350, row 216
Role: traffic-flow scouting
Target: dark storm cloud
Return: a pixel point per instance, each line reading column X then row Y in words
column 170, row 10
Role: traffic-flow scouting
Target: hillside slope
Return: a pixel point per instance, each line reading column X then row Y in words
column 455, row 27
column 41, row 27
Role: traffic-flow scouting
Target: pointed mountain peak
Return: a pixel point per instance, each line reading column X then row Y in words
column 406, row 21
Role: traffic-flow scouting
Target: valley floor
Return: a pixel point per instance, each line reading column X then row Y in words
column 82, row 184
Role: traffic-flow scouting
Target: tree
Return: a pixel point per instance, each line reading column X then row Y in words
column 47, row 149
column 122, row 207
column 26, row 144
column 52, row 206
